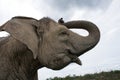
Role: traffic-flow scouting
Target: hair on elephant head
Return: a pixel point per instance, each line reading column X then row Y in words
column 34, row 44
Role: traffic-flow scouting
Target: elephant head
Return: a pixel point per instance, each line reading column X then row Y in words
column 53, row 44
column 65, row 46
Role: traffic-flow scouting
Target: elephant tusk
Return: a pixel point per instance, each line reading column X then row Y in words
column 77, row 60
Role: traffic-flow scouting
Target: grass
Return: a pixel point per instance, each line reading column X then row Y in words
column 112, row 75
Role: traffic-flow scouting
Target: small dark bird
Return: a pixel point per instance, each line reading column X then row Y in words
column 61, row 21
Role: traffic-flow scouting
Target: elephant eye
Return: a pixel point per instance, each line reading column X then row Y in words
column 64, row 33
column 63, row 36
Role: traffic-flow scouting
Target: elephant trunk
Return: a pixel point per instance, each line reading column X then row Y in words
column 82, row 44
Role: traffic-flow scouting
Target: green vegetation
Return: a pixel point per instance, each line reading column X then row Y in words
column 112, row 75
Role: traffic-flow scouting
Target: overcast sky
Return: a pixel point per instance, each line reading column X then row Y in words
column 104, row 13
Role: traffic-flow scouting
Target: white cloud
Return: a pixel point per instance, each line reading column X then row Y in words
column 107, row 50
column 78, row 14
column 4, row 34
column 11, row 8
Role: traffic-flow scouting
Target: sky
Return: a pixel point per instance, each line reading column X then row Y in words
column 104, row 13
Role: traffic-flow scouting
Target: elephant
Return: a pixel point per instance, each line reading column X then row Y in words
column 34, row 44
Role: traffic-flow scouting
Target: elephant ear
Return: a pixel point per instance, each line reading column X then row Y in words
column 24, row 31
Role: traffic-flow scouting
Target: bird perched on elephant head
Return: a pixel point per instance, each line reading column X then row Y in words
column 33, row 44
column 61, row 21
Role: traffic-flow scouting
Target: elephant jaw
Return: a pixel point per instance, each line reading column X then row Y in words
column 63, row 60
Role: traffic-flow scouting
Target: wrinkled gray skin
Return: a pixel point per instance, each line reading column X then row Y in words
column 34, row 44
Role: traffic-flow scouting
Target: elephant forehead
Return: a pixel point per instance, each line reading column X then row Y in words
column 57, row 27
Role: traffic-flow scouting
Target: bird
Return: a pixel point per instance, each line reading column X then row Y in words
column 61, row 21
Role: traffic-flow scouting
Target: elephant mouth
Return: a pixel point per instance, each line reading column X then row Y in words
column 63, row 59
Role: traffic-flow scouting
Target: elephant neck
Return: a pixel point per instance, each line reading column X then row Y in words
column 18, row 60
